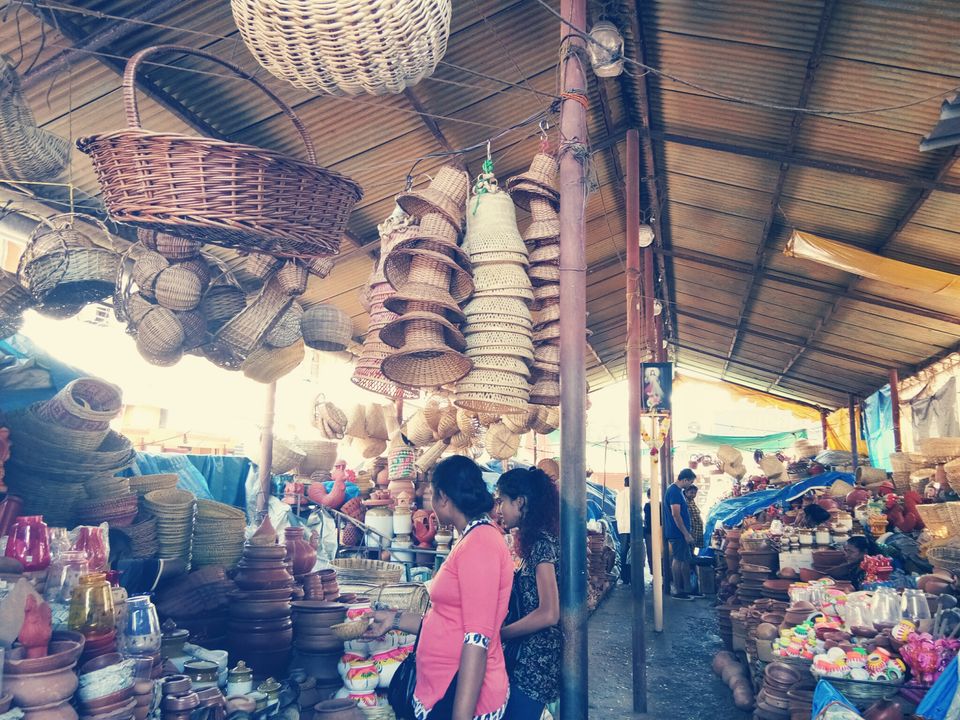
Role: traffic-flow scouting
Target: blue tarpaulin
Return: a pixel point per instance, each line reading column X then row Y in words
column 767, row 443
column 21, row 348
column 733, row 510
column 878, row 427
column 213, row 477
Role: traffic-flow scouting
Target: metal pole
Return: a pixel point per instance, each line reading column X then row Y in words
column 895, row 409
column 853, row 431
column 634, row 392
column 266, row 448
column 824, row 428
column 573, row 377
column 656, row 530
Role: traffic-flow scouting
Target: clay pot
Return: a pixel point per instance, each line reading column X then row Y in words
column 240, row 703
column 319, row 643
column 45, row 688
column 6, row 700
column 322, row 666
column 264, row 552
column 108, row 703
column 258, row 609
column 340, row 709
column 61, row 654
column 101, row 662
column 177, row 685
column 883, row 710
column 257, row 578
column 54, row 711
column 299, row 551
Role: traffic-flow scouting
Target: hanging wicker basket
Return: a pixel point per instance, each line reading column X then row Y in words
column 346, row 47
column 219, row 192
column 327, row 328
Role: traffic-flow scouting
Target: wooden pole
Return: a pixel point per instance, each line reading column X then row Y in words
column 634, row 392
column 266, row 448
column 824, row 427
column 656, row 530
column 852, row 405
column 895, row 409
column 573, row 153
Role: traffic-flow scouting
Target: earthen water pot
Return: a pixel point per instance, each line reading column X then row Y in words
column 45, row 688
column 54, row 711
column 62, row 652
column 340, row 709
column 883, row 710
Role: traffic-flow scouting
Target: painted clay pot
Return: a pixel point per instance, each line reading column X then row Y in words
column 344, row 663
column 364, row 699
column 387, row 664
column 361, row 676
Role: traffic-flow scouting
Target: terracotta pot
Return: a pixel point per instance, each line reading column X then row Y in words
column 46, row 688
column 6, row 700
column 61, row 654
column 259, row 609
column 322, row 666
column 256, row 578
column 319, row 643
column 299, row 551
column 340, row 709
column 54, row 711
column 108, row 703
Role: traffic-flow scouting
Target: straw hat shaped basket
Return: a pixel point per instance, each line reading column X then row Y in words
column 219, row 192
column 346, row 47
column 62, row 266
column 83, row 404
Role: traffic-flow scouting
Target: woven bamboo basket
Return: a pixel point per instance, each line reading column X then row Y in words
column 946, row 556
column 27, row 152
column 143, row 484
column 222, row 303
column 330, row 420
column 327, row 328
column 172, row 247
column 287, row 330
column 287, row 456
column 321, row 266
column 219, row 192
column 409, row 597
column 362, row 570
column 939, row 450
column 68, row 439
column 177, row 288
column 292, row 277
column 346, row 47
column 320, row 456
column 938, row 520
column 83, row 404
column 194, row 329
column 261, row 266
column 160, row 332
column 266, row 364
column 242, row 334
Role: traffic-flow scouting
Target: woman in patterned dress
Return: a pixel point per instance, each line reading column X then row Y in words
column 461, row 674
column 533, row 642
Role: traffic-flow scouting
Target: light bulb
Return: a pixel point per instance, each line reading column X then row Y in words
column 657, row 307
column 645, row 236
column 606, row 50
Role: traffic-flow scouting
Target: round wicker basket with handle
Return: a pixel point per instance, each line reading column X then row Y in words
column 326, row 327
column 215, row 191
column 346, row 47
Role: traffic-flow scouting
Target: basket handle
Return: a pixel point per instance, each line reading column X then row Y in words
column 130, row 90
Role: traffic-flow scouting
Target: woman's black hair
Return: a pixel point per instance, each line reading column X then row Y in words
column 861, row 543
column 816, row 514
column 461, row 480
column 542, row 509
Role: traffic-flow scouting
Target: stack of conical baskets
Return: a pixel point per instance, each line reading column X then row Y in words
column 218, row 534
column 536, row 191
column 499, row 326
column 430, row 275
column 367, row 372
column 175, row 512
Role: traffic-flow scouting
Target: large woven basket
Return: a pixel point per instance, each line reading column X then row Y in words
column 409, row 597
column 215, row 191
column 83, row 404
column 362, row 570
column 346, row 47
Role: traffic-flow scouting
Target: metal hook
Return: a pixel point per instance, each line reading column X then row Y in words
column 408, row 184
column 544, row 126
column 489, row 155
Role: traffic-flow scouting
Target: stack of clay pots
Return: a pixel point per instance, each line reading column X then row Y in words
column 164, row 311
column 260, row 628
column 431, row 276
column 317, row 649
column 367, row 371
column 42, row 687
column 536, row 191
column 499, row 325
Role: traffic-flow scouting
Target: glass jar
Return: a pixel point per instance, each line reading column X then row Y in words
column 915, row 607
column 90, row 540
column 91, row 606
column 885, row 608
column 29, row 543
column 64, row 574
column 141, row 628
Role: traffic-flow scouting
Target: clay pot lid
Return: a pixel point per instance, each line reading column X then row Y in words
column 778, row 585
column 782, row 673
column 318, row 606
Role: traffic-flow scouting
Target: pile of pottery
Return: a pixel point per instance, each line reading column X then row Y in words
column 321, row 585
column 498, row 326
column 259, row 625
column 42, row 680
column 301, row 555
column 106, row 688
column 600, row 562
column 142, row 698
column 175, row 512
column 218, row 534
column 536, row 191
column 367, row 668
column 180, row 699
column 317, row 648
column 752, row 579
column 774, row 699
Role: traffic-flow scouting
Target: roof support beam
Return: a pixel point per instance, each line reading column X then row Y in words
column 431, row 124
column 766, row 235
column 75, row 35
column 835, row 166
column 112, row 32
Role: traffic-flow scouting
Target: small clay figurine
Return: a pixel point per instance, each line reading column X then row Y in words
column 37, row 627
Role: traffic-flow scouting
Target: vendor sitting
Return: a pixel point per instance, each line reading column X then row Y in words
column 812, row 516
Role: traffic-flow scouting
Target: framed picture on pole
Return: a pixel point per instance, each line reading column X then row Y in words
column 657, row 387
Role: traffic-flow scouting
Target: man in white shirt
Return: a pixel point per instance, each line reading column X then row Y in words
column 623, row 529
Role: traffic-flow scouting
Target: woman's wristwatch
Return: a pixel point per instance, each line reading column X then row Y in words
column 396, row 620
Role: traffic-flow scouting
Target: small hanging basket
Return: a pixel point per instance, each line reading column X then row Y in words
column 219, row 192
column 327, row 328
column 292, row 278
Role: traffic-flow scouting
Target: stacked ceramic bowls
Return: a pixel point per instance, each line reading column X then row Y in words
column 318, row 649
column 260, row 631
column 218, row 534
column 42, row 687
column 175, row 512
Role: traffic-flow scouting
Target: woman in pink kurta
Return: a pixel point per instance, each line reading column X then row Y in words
column 460, row 669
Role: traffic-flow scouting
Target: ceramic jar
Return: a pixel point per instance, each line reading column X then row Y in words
column 345, row 661
column 379, row 518
column 299, row 551
column 822, row 535
column 402, row 541
column 141, row 628
column 91, row 606
column 29, row 543
column 361, row 676
column 387, row 663
column 364, row 698
column 402, row 521
column 64, row 574
column 806, row 536
column 240, row 680
column 202, row 673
